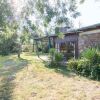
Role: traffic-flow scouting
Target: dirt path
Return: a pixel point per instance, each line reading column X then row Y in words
column 30, row 79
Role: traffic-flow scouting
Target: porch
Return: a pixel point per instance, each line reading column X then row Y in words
column 68, row 46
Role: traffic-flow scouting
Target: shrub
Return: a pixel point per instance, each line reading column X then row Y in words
column 88, row 65
column 83, row 67
column 58, row 57
column 72, row 64
column 91, row 54
column 98, row 58
column 55, row 57
column 80, row 66
column 7, row 41
column 95, row 72
column 52, row 53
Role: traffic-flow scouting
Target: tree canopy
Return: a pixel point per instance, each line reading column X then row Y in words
column 47, row 15
column 37, row 17
column 5, row 13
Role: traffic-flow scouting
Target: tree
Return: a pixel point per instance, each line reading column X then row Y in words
column 49, row 16
column 7, row 41
column 5, row 13
column 82, row 1
column 8, row 27
column 46, row 17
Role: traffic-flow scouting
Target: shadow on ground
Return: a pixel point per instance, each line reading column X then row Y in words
column 60, row 69
column 7, row 76
column 65, row 72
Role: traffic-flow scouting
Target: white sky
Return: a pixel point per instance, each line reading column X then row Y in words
column 90, row 13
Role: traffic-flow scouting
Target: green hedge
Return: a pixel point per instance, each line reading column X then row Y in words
column 88, row 65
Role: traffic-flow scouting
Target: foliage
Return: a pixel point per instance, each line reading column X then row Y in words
column 55, row 58
column 88, row 65
column 5, row 13
column 49, row 15
column 60, row 35
column 91, row 54
column 25, row 37
column 7, row 41
column 27, row 48
column 8, row 28
column 72, row 64
column 52, row 53
column 83, row 67
column 82, row 1
column 58, row 57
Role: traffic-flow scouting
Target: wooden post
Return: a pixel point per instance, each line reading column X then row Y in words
column 56, row 46
column 49, row 42
column 76, row 49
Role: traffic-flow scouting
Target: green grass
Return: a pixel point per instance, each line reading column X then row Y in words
column 2, row 59
column 29, row 79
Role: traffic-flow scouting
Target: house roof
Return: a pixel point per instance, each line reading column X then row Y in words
column 91, row 27
column 67, row 31
column 83, row 29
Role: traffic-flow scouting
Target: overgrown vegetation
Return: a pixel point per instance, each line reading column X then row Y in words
column 88, row 65
column 7, row 41
column 29, row 79
column 55, row 57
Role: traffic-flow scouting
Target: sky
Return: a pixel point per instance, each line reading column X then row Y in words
column 90, row 13
column 17, row 5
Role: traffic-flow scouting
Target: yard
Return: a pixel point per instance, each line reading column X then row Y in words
column 29, row 79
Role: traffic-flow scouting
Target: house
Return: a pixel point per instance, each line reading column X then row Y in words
column 75, row 41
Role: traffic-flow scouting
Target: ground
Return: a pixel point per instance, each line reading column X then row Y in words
column 28, row 78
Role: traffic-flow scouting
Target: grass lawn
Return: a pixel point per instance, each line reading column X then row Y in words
column 29, row 79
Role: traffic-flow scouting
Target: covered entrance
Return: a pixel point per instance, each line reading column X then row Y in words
column 68, row 46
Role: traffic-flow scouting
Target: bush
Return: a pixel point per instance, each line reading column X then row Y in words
column 91, row 54
column 55, row 57
column 88, row 65
column 95, row 72
column 7, row 41
column 72, row 64
column 52, row 53
column 58, row 57
column 83, row 67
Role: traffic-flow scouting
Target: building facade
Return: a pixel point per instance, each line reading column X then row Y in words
column 75, row 41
